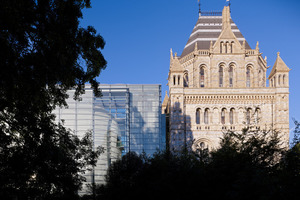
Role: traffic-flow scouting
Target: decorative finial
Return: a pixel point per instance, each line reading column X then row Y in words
column 199, row 7
column 257, row 45
column 278, row 54
column 229, row 4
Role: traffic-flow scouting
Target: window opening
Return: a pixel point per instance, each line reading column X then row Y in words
column 248, row 77
column 230, row 72
column 206, row 121
column 223, row 116
column 198, row 116
column 220, row 76
column 202, row 77
column 231, row 116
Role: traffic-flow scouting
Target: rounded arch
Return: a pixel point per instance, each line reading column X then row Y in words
column 186, row 78
column 249, row 75
column 233, row 63
column 283, row 79
column 223, row 115
column 206, row 115
column 232, row 116
column 248, row 115
column 222, row 63
column 203, row 75
column 221, row 75
column 198, row 116
column 257, row 115
column 201, row 144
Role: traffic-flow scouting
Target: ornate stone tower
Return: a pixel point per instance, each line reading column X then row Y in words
column 219, row 83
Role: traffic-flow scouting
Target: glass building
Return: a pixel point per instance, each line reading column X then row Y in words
column 126, row 118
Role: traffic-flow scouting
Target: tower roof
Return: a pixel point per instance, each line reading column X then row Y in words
column 279, row 66
column 208, row 28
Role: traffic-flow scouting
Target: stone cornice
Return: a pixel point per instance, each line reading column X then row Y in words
column 232, row 99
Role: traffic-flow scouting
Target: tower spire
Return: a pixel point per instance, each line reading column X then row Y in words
column 199, row 4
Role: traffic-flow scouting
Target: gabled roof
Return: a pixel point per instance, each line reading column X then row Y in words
column 279, row 66
column 207, row 29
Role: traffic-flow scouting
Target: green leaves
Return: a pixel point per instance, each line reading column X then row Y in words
column 42, row 44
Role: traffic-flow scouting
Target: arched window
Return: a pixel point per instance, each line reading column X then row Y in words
column 256, row 115
column 231, row 47
column 230, row 73
column 202, row 77
column 231, row 120
column 198, row 116
column 223, row 116
column 248, row 77
column 283, row 80
column 206, row 120
column 248, row 116
column 274, row 81
column 220, row 76
column 178, row 80
column 279, row 77
column 174, row 80
column 186, row 79
column 221, row 47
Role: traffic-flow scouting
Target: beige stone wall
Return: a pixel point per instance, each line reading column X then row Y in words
column 268, row 106
column 194, row 86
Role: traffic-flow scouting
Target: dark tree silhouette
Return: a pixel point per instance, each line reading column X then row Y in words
column 248, row 165
column 44, row 53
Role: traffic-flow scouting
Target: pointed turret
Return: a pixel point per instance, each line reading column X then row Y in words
column 279, row 74
column 279, row 66
column 175, row 65
column 165, row 104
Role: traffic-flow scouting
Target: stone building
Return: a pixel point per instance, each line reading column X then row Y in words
column 219, row 83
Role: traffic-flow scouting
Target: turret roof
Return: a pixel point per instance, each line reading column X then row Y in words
column 279, row 66
column 208, row 28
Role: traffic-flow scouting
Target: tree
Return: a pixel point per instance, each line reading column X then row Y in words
column 247, row 165
column 44, row 53
column 290, row 174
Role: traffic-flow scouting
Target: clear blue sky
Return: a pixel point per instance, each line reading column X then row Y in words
column 140, row 33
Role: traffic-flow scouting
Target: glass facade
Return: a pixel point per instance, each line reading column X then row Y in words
column 126, row 118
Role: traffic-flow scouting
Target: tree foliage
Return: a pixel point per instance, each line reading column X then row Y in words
column 44, row 53
column 247, row 165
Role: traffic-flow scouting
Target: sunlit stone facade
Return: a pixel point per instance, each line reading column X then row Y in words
column 219, row 83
